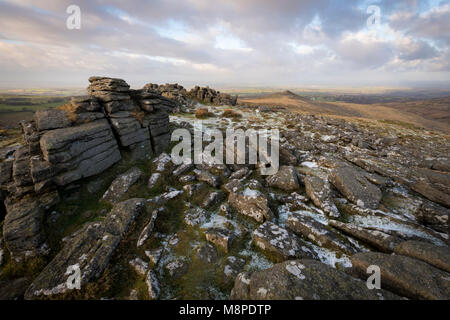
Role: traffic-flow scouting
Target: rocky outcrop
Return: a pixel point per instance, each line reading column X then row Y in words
column 303, row 280
column 88, row 250
column 211, row 96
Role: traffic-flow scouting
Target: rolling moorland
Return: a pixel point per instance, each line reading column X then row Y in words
column 90, row 183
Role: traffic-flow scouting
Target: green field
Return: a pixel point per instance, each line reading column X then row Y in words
column 16, row 107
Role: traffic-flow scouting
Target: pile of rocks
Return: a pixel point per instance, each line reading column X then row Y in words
column 211, row 96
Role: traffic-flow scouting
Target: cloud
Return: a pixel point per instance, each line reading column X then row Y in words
column 228, row 42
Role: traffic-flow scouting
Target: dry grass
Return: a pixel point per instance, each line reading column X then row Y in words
column 430, row 114
column 203, row 113
column 230, row 113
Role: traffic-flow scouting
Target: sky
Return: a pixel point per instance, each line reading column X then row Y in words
column 227, row 43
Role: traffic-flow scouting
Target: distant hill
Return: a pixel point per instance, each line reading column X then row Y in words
column 433, row 114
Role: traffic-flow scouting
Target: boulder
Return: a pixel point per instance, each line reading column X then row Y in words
column 303, row 280
column 285, row 179
column 121, row 184
column 280, row 244
column 405, row 276
column 434, row 255
column 251, row 203
column 355, row 186
column 89, row 249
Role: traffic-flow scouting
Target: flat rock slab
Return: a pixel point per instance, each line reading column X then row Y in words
column 319, row 192
column 405, row 276
column 354, row 185
column 285, row 179
column 251, row 203
column 318, row 233
column 303, row 280
column 88, row 250
column 377, row 239
column 121, row 184
column 279, row 244
column 434, row 255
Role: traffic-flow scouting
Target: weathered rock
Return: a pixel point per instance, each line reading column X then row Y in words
column 280, row 244
column 129, row 131
column 121, row 184
column 303, row 280
column 233, row 266
column 251, row 203
column 177, row 268
column 153, row 180
column 378, row 239
column 285, row 179
column 89, row 249
column 23, row 229
column 207, row 253
column 319, row 192
column 213, row 199
column 405, row 276
column 195, row 216
column 80, row 152
column 241, row 173
column 182, row 169
column 233, row 186
column 154, row 255
column 162, row 162
column 148, row 229
column 152, row 285
column 222, row 238
column 318, row 233
column 207, row 177
column 13, row 289
column 51, row 119
column 5, row 172
column 434, row 216
column 355, row 187
column 434, row 255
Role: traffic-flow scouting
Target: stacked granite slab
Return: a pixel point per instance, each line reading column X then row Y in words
column 79, row 140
